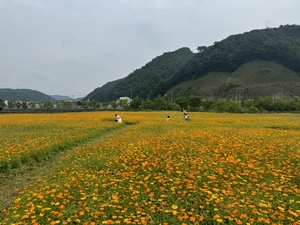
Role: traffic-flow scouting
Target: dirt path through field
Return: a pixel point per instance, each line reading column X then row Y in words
column 14, row 181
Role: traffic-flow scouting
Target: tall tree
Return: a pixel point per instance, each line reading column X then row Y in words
column 158, row 103
column 124, row 103
column 182, row 102
column 221, row 105
column 136, row 103
column 114, row 104
column 201, row 48
column 10, row 104
column 24, row 105
column 48, row 105
column 194, row 101
column 95, row 104
column 148, row 104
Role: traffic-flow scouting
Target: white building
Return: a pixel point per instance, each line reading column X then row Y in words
column 124, row 98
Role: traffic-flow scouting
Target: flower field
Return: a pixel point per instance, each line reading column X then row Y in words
column 26, row 136
column 212, row 169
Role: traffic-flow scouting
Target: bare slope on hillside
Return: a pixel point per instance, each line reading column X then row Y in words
column 251, row 80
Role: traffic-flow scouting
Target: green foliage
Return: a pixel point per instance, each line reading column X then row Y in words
column 2, row 104
column 67, row 105
column 172, row 106
column 124, row 103
column 234, row 106
column 130, row 122
column 18, row 105
column 207, row 105
column 264, row 103
column 103, row 93
column 95, row 104
column 10, row 104
column 48, row 105
column 230, row 84
column 280, row 45
column 252, row 109
column 279, row 105
column 201, row 48
column 221, row 105
column 148, row 104
column 295, row 103
column 136, row 103
column 194, row 102
column 182, row 102
column 250, row 106
column 114, row 104
column 24, row 105
column 103, row 104
column 84, row 104
column 32, row 105
column 249, row 103
column 159, row 103
column 108, row 119
column 147, row 81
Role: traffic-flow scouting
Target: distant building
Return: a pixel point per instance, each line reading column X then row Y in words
column 124, row 98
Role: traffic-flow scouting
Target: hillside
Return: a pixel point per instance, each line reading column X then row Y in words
column 60, row 97
column 251, row 80
column 23, row 94
column 103, row 93
column 280, row 45
column 257, row 63
column 146, row 81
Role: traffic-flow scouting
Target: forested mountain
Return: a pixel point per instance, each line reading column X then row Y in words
column 24, row 95
column 280, row 45
column 172, row 71
column 144, row 82
column 103, row 93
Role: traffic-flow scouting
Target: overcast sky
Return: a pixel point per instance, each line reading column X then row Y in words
column 71, row 47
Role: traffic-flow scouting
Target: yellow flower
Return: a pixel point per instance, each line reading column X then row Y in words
column 174, row 207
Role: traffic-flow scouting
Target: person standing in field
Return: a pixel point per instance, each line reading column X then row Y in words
column 185, row 116
column 168, row 118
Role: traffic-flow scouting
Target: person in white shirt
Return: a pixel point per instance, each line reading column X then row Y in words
column 185, row 116
column 118, row 118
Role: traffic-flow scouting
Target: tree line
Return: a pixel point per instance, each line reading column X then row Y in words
column 191, row 103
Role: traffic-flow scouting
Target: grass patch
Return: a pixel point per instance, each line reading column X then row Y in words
column 131, row 122
column 283, row 128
